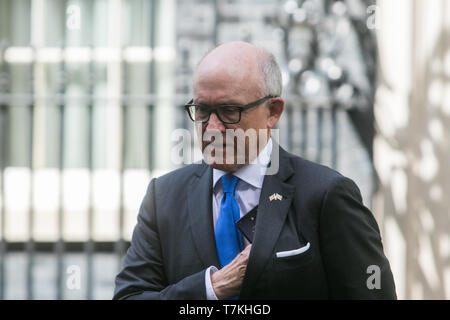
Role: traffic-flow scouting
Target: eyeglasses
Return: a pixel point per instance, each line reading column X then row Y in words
column 228, row 114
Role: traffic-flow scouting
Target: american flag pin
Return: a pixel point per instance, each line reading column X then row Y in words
column 275, row 196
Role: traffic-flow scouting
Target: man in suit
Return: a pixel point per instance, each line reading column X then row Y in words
column 313, row 238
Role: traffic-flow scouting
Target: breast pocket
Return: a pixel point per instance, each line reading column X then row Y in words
column 292, row 275
column 293, row 253
column 292, row 259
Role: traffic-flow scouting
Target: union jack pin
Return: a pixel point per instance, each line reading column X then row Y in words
column 275, row 196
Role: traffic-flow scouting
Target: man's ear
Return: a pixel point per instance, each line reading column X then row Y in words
column 276, row 107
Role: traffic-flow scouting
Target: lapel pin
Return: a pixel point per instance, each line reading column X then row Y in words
column 275, row 196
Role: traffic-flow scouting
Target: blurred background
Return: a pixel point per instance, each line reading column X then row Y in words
column 91, row 93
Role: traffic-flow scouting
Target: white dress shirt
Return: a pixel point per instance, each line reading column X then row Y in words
column 248, row 190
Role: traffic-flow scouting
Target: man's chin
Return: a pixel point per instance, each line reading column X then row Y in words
column 220, row 161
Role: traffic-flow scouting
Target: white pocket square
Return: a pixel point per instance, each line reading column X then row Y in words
column 283, row 254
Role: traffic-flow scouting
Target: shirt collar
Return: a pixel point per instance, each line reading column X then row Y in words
column 252, row 173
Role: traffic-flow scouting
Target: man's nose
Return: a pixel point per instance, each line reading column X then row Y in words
column 214, row 123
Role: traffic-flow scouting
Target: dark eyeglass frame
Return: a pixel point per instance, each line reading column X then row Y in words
column 241, row 108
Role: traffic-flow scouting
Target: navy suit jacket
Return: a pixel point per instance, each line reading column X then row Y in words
column 173, row 242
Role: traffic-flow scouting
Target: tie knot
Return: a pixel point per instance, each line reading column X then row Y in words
column 229, row 183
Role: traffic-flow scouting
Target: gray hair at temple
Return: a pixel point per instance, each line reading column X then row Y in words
column 272, row 83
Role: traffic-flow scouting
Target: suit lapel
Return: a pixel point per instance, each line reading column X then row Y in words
column 271, row 217
column 200, row 215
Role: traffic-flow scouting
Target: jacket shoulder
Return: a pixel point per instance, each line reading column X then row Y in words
column 310, row 170
column 180, row 176
column 317, row 178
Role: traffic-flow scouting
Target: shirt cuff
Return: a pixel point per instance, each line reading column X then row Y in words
column 210, row 294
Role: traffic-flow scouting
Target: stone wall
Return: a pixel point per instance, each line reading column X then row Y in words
column 412, row 146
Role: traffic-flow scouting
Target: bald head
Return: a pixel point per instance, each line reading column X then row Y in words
column 253, row 68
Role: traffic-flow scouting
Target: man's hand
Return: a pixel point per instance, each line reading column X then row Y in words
column 227, row 281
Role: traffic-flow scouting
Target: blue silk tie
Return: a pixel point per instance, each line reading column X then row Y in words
column 228, row 238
